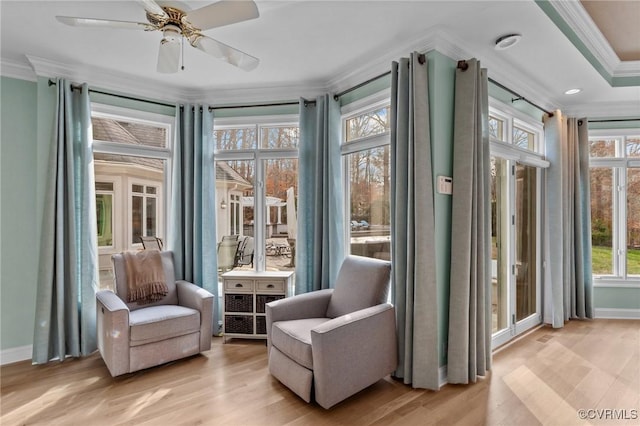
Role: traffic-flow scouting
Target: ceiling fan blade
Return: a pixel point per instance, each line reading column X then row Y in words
column 104, row 23
column 152, row 7
column 224, row 52
column 168, row 56
column 222, row 13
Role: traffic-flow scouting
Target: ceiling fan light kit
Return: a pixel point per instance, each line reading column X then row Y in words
column 177, row 25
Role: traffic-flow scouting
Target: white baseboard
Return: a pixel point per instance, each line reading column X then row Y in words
column 21, row 353
column 611, row 313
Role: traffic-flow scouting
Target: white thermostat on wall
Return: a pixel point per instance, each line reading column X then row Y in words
column 445, row 185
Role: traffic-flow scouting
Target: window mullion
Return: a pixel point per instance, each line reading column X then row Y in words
column 622, row 221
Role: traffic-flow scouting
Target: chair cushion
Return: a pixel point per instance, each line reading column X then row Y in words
column 293, row 338
column 162, row 322
column 362, row 282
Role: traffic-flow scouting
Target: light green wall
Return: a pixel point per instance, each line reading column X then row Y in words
column 617, row 298
column 19, row 243
column 442, row 70
column 507, row 97
column 257, row 111
column 140, row 105
column 631, row 124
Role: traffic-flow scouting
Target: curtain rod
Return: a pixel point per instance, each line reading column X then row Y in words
column 285, row 103
column 463, row 66
column 520, row 97
column 421, row 58
column 357, row 86
column 613, row 120
column 306, row 102
column 75, row 87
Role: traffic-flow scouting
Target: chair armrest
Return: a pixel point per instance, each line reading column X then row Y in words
column 112, row 322
column 307, row 305
column 352, row 352
column 194, row 297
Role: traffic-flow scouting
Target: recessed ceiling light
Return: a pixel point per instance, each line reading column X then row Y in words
column 507, row 41
column 573, row 91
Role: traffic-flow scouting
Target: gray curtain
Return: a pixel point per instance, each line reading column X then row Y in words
column 412, row 225
column 469, row 352
column 68, row 266
column 192, row 216
column 320, row 244
column 568, row 286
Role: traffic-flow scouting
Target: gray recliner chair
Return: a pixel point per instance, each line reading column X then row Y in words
column 132, row 337
column 330, row 344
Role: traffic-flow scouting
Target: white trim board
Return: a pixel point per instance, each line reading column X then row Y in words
column 21, row 353
column 613, row 313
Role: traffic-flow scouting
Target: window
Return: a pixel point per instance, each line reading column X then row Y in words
column 615, row 206
column 131, row 152
column 104, row 213
column 516, row 197
column 366, row 155
column 144, row 212
column 256, row 192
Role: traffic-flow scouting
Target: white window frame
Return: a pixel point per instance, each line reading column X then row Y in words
column 113, row 192
column 619, row 166
column 506, row 150
column 368, row 104
column 111, row 112
column 158, row 196
column 259, row 156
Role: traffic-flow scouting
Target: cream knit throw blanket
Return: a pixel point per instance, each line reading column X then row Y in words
column 145, row 277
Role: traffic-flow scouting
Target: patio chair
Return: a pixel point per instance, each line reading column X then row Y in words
column 227, row 249
column 244, row 254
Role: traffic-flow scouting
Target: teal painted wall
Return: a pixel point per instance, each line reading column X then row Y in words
column 616, row 297
column 507, row 98
column 442, row 70
column 138, row 105
column 18, row 211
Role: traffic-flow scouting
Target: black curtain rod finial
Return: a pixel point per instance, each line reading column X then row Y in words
column 463, row 65
column 422, row 58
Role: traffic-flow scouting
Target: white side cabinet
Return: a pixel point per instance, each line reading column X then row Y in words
column 245, row 296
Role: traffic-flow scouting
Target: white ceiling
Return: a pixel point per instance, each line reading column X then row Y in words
column 308, row 47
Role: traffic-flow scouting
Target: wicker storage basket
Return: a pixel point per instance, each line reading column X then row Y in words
column 261, row 325
column 241, row 324
column 263, row 299
column 238, row 302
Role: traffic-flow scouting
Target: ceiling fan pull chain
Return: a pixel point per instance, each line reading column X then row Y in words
column 182, row 52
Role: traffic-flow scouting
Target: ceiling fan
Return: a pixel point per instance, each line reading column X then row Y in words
column 177, row 25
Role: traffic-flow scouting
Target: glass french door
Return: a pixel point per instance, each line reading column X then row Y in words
column 515, row 237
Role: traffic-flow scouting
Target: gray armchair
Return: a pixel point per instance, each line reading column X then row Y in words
column 333, row 343
column 132, row 337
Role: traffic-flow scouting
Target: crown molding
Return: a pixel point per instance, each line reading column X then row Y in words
column 604, row 109
column 256, row 94
column 17, row 70
column 105, row 80
column 577, row 18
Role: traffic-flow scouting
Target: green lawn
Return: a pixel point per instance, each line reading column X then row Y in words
column 602, row 263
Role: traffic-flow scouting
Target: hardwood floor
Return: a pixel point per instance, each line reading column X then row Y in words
column 543, row 378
